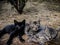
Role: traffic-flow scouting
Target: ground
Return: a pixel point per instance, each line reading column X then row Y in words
column 48, row 13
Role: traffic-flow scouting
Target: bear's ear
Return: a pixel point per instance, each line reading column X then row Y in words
column 23, row 21
column 15, row 22
column 35, row 22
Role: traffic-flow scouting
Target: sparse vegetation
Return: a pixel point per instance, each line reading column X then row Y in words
column 47, row 10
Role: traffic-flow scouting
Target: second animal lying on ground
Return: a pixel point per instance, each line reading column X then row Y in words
column 39, row 33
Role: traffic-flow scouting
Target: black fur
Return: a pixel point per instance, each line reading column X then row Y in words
column 18, row 4
column 14, row 30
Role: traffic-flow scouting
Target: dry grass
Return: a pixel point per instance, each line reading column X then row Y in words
column 47, row 17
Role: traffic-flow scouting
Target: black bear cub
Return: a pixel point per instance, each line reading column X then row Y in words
column 16, row 29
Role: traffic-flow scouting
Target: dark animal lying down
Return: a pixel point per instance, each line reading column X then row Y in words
column 16, row 29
